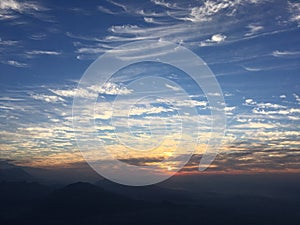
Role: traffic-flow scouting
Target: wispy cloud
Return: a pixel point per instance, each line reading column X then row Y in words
column 165, row 4
column 15, row 63
column 106, row 10
column 8, row 42
column 253, row 29
column 43, row 52
column 294, row 8
column 252, row 69
column 278, row 53
column 9, row 7
column 183, row 22
column 173, row 87
column 120, row 5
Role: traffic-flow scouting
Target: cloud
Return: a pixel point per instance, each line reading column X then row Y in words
column 9, row 7
column 110, row 89
column 255, row 125
column 10, row 99
column 282, row 96
column 184, row 21
column 41, row 52
column 284, row 53
column 142, row 161
column 118, row 4
column 165, row 4
column 267, row 108
column 136, row 111
column 8, row 42
column 151, row 13
column 15, row 63
column 294, row 8
column 38, row 36
column 106, row 10
column 105, row 128
column 215, row 39
column 250, row 101
column 93, row 91
column 173, row 87
column 252, row 69
column 48, row 98
column 253, row 29
column 276, row 112
column 218, row 38
column 104, row 115
column 270, row 105
column 208, row 9
column 297, row 97
column 155, row 21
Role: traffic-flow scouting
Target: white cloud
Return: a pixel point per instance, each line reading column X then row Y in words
column 48, row 98
column 215, row 94
column 8, row 7
column 122, row 6
column 250, row 101
column 297, row 97
column 276, row 112
column 218, row 38
column 255, row 125
column 253, row 29
column 190, row 103
column 136, row 111
column 165, row 4
column 70, row 93
column 110, row 89
column 41, row 52
column 15, row 63
column 229, row 108
column 105, row 115
column 174, row 88
column 215, row 39
column 8, row 42
column 144, row 13
column 270, row 105
column 208, row 9
column 106, row 10
column 294, row 8
column 282, row 96
column 105, row 128
column 93, row 91
column 284, row 53
column 252, row 69
column 10, row 99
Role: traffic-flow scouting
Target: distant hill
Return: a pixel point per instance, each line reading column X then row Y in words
column 14, row 174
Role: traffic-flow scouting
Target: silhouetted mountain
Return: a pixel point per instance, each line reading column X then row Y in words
column 14, row 174
column 84, row 203
column 152, row 193
column 86, row 199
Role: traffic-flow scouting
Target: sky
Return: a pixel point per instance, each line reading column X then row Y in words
column 252, row 48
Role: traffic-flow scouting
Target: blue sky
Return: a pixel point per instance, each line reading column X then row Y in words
column 252, row 47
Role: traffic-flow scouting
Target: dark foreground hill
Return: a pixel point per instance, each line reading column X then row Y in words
column 83, row 203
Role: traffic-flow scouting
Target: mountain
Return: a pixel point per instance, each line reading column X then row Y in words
column 152, row 193
column 86, row 199
column 10, row 172
column 85, row 203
